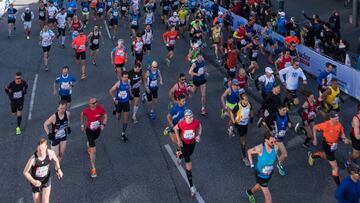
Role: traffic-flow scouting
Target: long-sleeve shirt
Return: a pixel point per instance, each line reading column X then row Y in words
column 291, row 76
column 348, row 191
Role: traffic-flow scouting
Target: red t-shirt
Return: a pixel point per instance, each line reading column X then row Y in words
column 232, row 56
column 93, row 117
column 242, row 81
column 188, row 130
column 170, row 37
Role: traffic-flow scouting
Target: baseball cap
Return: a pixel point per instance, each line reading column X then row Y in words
column 282, row 13
column 333, row 114
column 188, row 112
column 220, row 13
column 269, row 70
column 235, row 82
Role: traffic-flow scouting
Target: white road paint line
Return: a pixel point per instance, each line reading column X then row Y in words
column 107, row 29
column 21, row 200
column 33, row 96
column 182, row 172
column 80, row 104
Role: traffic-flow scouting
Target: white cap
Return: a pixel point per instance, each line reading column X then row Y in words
column 269, row 70
column 188, row 112
column 175, row 14
column 282, row 13
column 220, row 13
column 27, row 8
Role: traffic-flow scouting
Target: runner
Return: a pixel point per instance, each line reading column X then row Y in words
column 11, row 14
column 198, row 71
column 51, row 13
column 27, row 18
column 278, row 123
column 254, row 47
column 96, row 119
column 267, row 82
column 137, row 48
column 266, row 158
column 119, row 57
column 231, row 60
column 134, row 21
column 270, row 104
column 37, row 171
column 268, row 39
column 332, row 96
column 180, row 88
column 174, row 21
column 332, row 131
column 149, row 17
column 61, row 24
column 124, row 5
column 240, row 116
column 217, row 40
column 100, row 10
column 63, row 86
column 166, row 7
column 85, row 10
column 283, row 61
column 229, row 100
column 355, row 138
column 93, row 4
column 136, row 79
column 113, row 14
column 70, row 9
column 188, row 133
column 183, row 15
column 121, row 101
column 289, row 76
column 349, row 188
column 169, row 39
column 324, row 78
column 151, row 79
column 75, row 26
column 60, row 123
column 94, row 38
column 42, row 14
column 16, row 91
column 79, row 44
column 46, row 38
column 147, row 37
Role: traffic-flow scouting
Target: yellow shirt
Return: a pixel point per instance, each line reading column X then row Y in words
column 333, row 98
column 182, row 14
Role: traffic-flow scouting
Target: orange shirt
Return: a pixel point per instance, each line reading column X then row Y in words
column 169, row 37
column 80, row 43
column 292, row 39
column 331, row 132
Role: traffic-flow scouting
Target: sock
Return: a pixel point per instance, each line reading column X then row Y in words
column 249, row 192
column 62, row 40
column 189, row 176
column 124, row 127
column 19, row 118
column 243, row 151
column 336, row 179
column 307, row 139
column 136, row 108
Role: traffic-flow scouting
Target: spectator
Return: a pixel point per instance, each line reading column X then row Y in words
column 308, row 36
column 292, row 25
column 280, row 22
column 349, row 188
column 334, row 21
column 215, row 9
column 315, row 22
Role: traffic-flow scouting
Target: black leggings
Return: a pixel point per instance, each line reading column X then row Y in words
column 61, row 31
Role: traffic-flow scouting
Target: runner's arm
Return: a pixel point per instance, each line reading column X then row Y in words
column 170, row 120
column 191, row 71
column 253, row 151
column 113, row 89
column 171, row 92
column 104, row 119
column 48, row 122
column 223, row 97
column 53, row 157
column 27, row 169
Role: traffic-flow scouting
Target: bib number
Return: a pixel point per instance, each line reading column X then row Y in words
column 65, row 86
column 17, row 95
column 153, row 83
column 122, row 94
column 254, row 54
column 94, row 125
column 41, row 171
column 201, row 71
column 60, row 134
column 115, row 13
column 333, row 146
column 95, row 41
column 100, row 10
column 281, row 133
column 189, row 134
column 82, row 46
column 124, row 8
column 267, row 170
column 311, row 115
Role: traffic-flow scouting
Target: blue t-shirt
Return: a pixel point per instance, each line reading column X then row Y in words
column 348, row 191
column 65, row 84
column 70, row 7
column 11, row 13
column 177, row 113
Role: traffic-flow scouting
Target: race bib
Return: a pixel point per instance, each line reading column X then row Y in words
column 70, row 9
column 267, row 170
column 82, row 46
column 134, row 22
column 189, row 134
column 232, row 69
column 153, row 83
column 120, row 53
column 333, row 146
column 171, row 42
column 336, row 100
column 85, row 9
column 124, row 8
column 193, row 3
column 41, row 13
column 311, row 115
column 201, row 71
column 281, row 133
column 42, row 171
column 254, row 54
column 109, row 3
column 65, row 86
column 94, row 125
column 96, row 41
column 100, row 10
column 166, row 8
column 60, row 134
column 115, row 13
column 122, row 94
column 17, row 95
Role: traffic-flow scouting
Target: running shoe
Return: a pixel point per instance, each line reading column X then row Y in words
column 281, row 169
column 143, row 97
column 170, row 105
column 134, row 119
column 168, row 62
column 223, row 113
column 246, row 161
column 297, row 128
column 251, row 197
column 27, row 37
column 93, row 173
column 311, row 160
column 94, row 62
column 166, row 131
column 124, row 138
column 259, row 123
column 46, row 68
column 193, row 191
column 17, row 131
column 204, row 112
column 230, row 131
column 251, row 76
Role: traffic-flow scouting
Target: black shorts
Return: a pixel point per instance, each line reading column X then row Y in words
column 94, row 47
column 99, row 14
column 92, row 135
column 42, row 18
column 263, row 182
column 51, row 20
column 16, row 106
column 139, row 57
column 187, row 150
column 170, row 48
column 46, row 49
column 152, row 94
column 291, row 93
column 122, row 107
column 355, row 142
column 123, row 13
column 114, row 22
column 66, row 98
column 330, row 155
column 147, row 47
column 81, row 55
column 55, row 142
column 242, row 129
column 231, row 74
column 61, row 31
column 120, row 65
column 135, row 92
column 69, row 15
column 198, row 83
column 134, row 27
column 44, row 184
column 11, row 21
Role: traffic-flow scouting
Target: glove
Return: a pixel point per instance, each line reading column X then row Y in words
column 51, row 136
column 68, row 130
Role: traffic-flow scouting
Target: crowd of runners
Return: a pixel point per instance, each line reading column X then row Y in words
column 139, row 80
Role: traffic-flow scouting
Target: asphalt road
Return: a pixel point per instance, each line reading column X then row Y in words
column 142, row 170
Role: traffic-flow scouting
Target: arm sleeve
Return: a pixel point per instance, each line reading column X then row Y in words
column 283, row 72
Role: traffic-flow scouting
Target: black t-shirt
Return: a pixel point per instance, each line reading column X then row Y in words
column 135, row 77
column 15, row 91
column 271, row 103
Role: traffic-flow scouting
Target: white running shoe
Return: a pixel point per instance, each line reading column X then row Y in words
column 193, row 191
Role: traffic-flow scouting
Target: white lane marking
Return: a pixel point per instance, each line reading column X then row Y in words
column 33, row 97
column 182, row 172
column 21, row 200
column 78, row 105
column 107, row 29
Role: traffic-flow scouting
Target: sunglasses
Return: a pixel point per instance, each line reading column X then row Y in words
column 17, row 78
column 273, row 142
column 182, row 79
column 94, row 103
